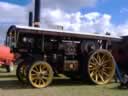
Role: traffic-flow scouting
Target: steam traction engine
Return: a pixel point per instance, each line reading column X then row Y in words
column 42, row 53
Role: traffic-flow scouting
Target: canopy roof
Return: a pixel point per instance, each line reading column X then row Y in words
column 62, row 33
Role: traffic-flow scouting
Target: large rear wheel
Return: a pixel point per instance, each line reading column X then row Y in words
column 101, row 67
column 40, row 74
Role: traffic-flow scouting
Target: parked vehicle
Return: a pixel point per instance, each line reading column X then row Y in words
column 6, row 58
column 45, row 52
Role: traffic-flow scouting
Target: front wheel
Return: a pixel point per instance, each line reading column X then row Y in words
column 40, row 74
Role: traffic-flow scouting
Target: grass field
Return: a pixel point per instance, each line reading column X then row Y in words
column 10, row 86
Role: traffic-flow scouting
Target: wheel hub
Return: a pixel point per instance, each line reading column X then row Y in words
column 40, row 75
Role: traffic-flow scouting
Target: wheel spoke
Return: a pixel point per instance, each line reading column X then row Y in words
column 92, row 64
column 45, row 78
column 35, row 71
column 46, row 75
column 36, row 68
column 92, row 69
column 91, row 74
column 107, row 75
column 96, row 77
column 34, row 78
column 103, row 58
column 98, row 58
column 43, row 82
column 40, row 67
column 101, row 77
column 37, row 81
column 96, row 62
column 107, row 68
column 106, row 62
column 34, row 75
column 44, row 67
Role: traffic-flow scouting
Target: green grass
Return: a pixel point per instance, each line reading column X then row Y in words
column 10, row 86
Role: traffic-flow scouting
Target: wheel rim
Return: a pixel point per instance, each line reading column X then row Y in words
column 101, row 67
column 40, row 74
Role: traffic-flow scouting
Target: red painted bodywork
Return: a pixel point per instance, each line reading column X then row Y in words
column 6, row 57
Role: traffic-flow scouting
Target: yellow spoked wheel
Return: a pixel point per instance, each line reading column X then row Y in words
column 21, row 72
column 101, row 67
column 40, row 74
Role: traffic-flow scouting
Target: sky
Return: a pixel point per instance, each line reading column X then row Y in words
column 94, row 16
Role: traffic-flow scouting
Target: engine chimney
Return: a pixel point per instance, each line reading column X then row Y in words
column 30, row 18
column 37, row 13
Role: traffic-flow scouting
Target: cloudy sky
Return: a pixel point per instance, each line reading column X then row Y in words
column 95, row 16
